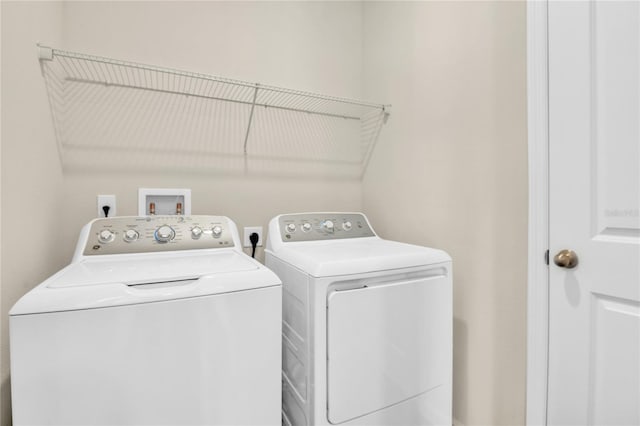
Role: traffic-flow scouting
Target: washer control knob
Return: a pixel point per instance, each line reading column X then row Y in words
column 196, row 232
column 306, row 227
column 106, row 236
column 216, row 231
column 164, row 234
column 291, row 227
column 130, row 235
column 346, row 226
column 328, row 226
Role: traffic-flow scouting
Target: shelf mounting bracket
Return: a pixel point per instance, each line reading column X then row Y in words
column 45, row 53
column 253, row 107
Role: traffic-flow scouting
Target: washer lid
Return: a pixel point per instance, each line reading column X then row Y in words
column 119, row 280
column 358, row 255
column 151, row 268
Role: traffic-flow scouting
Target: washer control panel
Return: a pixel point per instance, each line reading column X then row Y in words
column 323, row 226
column 145, row 234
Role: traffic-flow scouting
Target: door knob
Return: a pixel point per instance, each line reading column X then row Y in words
column 566, row 259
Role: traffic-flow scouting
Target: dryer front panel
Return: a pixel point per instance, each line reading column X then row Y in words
column 386, row 344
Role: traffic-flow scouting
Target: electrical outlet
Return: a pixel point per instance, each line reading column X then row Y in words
column 106, row 200
column 248, row 230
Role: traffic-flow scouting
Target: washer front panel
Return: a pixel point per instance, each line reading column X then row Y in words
column 193, row 361
column 119, row 235
column 323, row 226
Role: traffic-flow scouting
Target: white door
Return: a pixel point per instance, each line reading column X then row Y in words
column 594, row 308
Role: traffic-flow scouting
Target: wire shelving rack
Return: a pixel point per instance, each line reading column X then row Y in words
column 113, row 114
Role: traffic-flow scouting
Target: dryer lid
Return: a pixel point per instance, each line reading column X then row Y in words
column 355, row 256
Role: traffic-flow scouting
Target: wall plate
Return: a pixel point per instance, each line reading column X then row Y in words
column 248, row 230
column 106, row 200
column 164, row 201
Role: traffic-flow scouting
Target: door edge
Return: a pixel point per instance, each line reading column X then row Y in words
column 538, row 241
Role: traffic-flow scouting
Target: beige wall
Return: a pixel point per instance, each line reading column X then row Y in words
column 314, row 46
column 231, row 39
column 450, row 171
column 31, row 176
column 277, row 43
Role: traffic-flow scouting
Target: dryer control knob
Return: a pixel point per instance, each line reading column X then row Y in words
column 196, row 232
column 346, row 226
column 106, row 236
column 327, row 225
column 164, row 234
column 291, row 227
column 130, row 235
column 306, row 227
column 216, row 231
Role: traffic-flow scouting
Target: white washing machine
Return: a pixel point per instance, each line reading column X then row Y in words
column 157, row 321
column 367, row 324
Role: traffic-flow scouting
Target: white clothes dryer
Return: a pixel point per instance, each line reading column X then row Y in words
column 159, row 320
column 367, row 324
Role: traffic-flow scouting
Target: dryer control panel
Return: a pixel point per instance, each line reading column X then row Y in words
column 323, row 226
column 145, row 234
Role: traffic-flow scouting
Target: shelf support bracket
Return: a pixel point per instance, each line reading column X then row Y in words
column 45, row 53
column 253, row 107
column 384, row 116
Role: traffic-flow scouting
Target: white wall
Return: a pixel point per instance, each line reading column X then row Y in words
column 310, row 46
column 450, row 171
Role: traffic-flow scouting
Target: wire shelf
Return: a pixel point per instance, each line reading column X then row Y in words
column 112, row 114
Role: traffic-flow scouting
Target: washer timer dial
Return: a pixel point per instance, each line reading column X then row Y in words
column 327, row 225
column 164, row 234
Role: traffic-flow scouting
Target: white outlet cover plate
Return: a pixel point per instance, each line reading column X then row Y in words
column 107, row 200
column 248, row 230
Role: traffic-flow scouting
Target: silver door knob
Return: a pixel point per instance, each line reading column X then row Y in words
column 566, row 259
